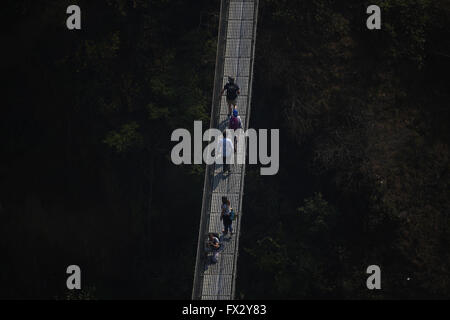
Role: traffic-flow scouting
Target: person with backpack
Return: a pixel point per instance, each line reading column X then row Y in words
column 233, row 91
column 235, row 123
column 214, row 245
column 227, row 216
column 225, row 147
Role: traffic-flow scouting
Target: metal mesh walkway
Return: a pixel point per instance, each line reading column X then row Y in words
column 235, row 54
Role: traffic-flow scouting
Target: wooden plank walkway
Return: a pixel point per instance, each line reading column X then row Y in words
column 235, row 56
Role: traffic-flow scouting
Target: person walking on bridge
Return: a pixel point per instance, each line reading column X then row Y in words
column 233, row 91
column 226, row 216
column 226, row 150
column 214, row 245
column 235, row 124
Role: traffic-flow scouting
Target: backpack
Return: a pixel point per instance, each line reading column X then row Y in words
column 232, row 214
column 235, row 123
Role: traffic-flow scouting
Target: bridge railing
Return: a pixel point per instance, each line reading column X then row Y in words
column 237, row 58
column 209, row 174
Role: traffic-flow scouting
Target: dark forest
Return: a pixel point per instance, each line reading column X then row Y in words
column 86, row 176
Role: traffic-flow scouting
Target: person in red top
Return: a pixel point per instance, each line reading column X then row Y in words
column 235, row 123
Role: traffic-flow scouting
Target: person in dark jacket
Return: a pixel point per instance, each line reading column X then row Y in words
column 226, row 216
column 233, row 91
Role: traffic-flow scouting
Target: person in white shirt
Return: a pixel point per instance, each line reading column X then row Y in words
column 226, row 149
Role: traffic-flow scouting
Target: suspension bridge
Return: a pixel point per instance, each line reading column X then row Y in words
column 235, row 57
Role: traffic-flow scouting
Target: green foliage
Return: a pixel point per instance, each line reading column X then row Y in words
column 127, row 137
column 364, row 172
column 317, row 214
column 135, row 72
column 363, row 115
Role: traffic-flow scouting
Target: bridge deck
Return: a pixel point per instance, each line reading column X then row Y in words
column 235, row 52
